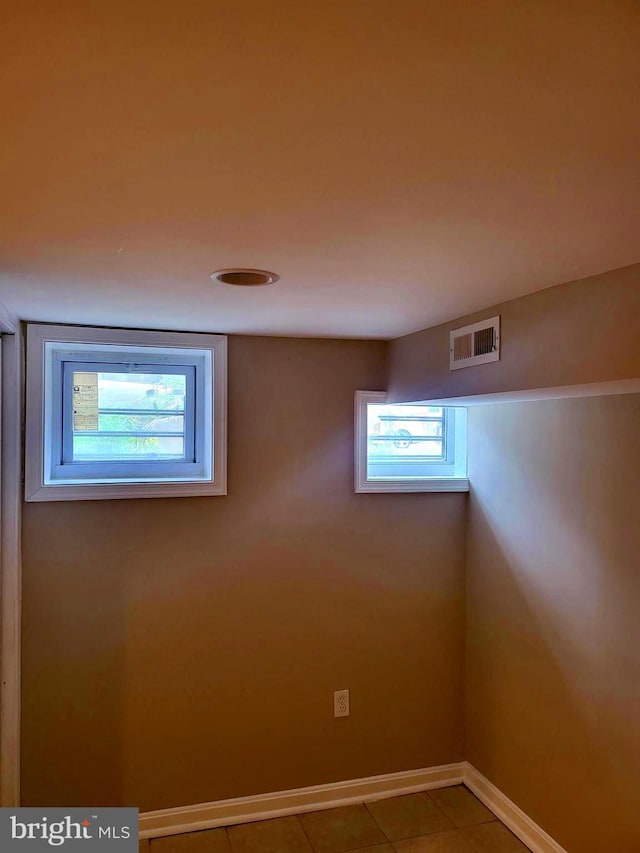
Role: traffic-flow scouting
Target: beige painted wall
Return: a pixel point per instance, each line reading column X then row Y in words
column 184, row 650
column 581, row 332
column 553, row 670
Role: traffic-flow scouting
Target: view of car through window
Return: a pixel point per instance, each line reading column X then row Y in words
column 405, row 430
column 404, row 440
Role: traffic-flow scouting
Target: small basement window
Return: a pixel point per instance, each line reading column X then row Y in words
column 119, row 414
column 409, row 447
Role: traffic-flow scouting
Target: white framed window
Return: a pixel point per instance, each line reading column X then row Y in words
column 409, row 447
column 113, row 413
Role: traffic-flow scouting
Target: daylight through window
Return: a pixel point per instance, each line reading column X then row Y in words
column 408, row 447
column 119, row 414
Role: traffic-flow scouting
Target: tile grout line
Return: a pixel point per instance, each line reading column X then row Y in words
column 228, row 834
column 304, row 831
column 411, row 837
column 373, row 817
column 455, row 828
column 351, row 849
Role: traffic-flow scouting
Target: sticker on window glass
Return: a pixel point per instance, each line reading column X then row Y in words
column 85, row 402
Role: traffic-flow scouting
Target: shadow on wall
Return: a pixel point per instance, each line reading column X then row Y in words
column 553, row 675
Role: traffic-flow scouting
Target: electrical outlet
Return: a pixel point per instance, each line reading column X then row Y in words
column 341, row 703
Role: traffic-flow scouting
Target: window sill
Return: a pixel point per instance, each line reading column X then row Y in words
column 437, row 484
column 119, row 491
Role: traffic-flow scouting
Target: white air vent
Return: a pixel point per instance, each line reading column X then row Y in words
column 475, row 344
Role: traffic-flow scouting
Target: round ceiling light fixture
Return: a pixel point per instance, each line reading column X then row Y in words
column 244, row 277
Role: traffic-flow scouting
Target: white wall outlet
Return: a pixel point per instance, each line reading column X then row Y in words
column 341, row 703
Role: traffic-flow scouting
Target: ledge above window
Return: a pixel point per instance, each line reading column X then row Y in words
column 409, row 447
column 113, row 413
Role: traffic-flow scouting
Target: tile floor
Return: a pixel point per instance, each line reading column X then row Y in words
column 447, row 820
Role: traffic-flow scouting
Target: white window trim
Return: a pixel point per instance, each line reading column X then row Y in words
column 36, row 489
column 363, row 485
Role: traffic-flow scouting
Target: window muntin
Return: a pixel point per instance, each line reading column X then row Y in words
column 408, row 447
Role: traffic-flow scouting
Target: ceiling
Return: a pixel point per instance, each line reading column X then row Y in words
column 398, row 164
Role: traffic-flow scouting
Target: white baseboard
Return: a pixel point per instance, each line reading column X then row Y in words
column 317, row 797
column 297, row 801
column 536, row 839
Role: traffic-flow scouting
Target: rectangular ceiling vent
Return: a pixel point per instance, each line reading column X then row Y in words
column 475, row 344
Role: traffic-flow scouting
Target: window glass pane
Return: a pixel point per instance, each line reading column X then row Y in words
column 152, row 422
column 404, row 440
column 112, row 448
column 136, row 416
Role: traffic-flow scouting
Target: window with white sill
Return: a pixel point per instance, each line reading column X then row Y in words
column 409, row 447
column 116, row 414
